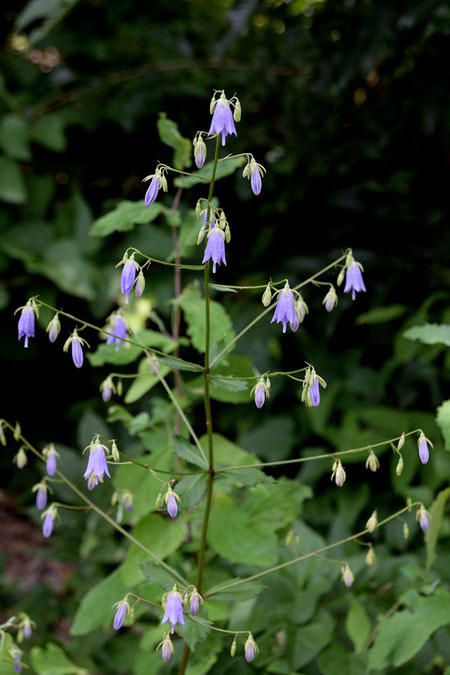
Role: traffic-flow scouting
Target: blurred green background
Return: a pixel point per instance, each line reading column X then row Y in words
column 346, row 104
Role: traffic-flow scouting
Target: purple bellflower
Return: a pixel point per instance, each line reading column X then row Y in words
column 119, row 330
column 314, row 393
column 222, row 120
column 199, row 151
column 353, row 279
column 196, row 599
column 50, row 455
column 254, row 172
column 171, row 498
column 174, row 610
column 76, row 343
column 260, row 394
column 330, row 300
column 27, row 630
column 41, row 498
column 215, row 247
column 26, row 322
column 250, row 648
column 422, row 516
column 17, row 659
column 167, row 648
column 122, row 610
column 128, row 277
column 422, row 444
column 96, row 466
column 49, row 517
column 53, row 328
column 152, row 190
column 285, row 309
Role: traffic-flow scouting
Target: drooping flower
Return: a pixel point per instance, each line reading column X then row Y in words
column 353, row 277
column 372, row 462
column 17, row 658
column 49, row 517
column 423, row 518
column 285, row 308
column 127, row 501
column 50, row 455
column 119, row 330
column 215, row 247
column 422, row 444
column 330, row 300
column 26, row 629
column 20, row 459
column 128, row 277
column 222, row 120
column 158, row 180
column 314, row 392
column 372, row 523
column 122, row 610
column 174, row 609
column 260, row 394
column 53, row 328
column 107, row 388
column 254, row 172
column 26, row 321
column 199, row 151
column 76, row 344
column 171, row 498
column 140, row 285
column 167, row 648
column 196, row 599
column 41, row 496
column 250, row 648
column 347, row 575
column 338, row 474
column 97, row 466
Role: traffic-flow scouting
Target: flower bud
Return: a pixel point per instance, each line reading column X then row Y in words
column 53, row 328
column 171, row 498
column 372, row 523
column 115, row 452
column 233, row 648
column 370, row 556
column 423, row 518
column 140, row 285
column 341, row 275
column 17, row 432
column 122, row 610
column 347, row 575
column 2, row 435
column 50, row 455
column 339, row 474
column 330, row 300
column 250, row 648
column 290, row 538
column 267, row 296
column 399, row 467
column 199, row 152
column 201, row 235
column 401, row 441
column 237, row 111
column 195, row 599
column 119, row 388
column 422, row 444
column 21, row 458
column 405, row 530
column 227, row 233
column 372, row 462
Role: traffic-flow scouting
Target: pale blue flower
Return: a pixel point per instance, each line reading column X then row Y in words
column 97, row 466
column 353, row 279
column 26, row 324
column 128, row 277
column 215, row 247
column 222, row 120
column 285, row 309
column 174, row 610
column 119, row 330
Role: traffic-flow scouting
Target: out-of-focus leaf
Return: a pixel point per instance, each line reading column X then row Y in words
column 432, row 534
column 145, row 381
column 311, row 639
column 382, row 314
column 246, row 591
column 191, row 490
column 193, row 307
column 189, row 452
column 155, row 574
column 429, row 333
column 443, row 420
column 173, row 362
column 14, row 137
column 48, row 131
column 170, row 135
column 243, row 477
column 128, row 353
column 96, row 606
column 12, row 186
column 224, row 169
column 53, row 661
column 357, row 625
column 124, row 217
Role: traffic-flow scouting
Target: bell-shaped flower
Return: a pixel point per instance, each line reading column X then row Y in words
column 255, row 172
column 422, row 444
column 171, row 498
column 260, row 391
column 173, row 611
column 285, row 308
column 50, row 455
column 167, row 648
column 330, row 300
column 53, row 328
column 195, row 600
column 76, row 344
column 97, row 466
column 250, row 648
column 199, row 151
column 49, row 517
column 26, row 320
column 353, row 276
column 215, row 247
column 222, row 118
column 122, row 610
column 119, row 330
column 128, row 277
column 41, row 494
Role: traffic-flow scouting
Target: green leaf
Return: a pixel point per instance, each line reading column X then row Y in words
column 65, row 266
column 224, row 169
column 170, row 135
column 227, row 453
column 191, row 490
column 53, row 661
column 443, row 421
column 311, row 639
column 240, row 593
column 405, row 633
column 155, row 574
column 194, row 631
column 12, row 186
column 144, row 382
column 274, row 437
column 124, row 217
column 160, row 535
column 432, row 534
column 191, row 453
column 243, row 477
column 14, row 137
column 96, row 607
column 173, row 362
column 48, row 131
column 229, row 383
column 335, row 659
column 382, row 314
column 225, row 383
column 193, row 307
column 357, row 625
column 129, row 353
column 429, row 333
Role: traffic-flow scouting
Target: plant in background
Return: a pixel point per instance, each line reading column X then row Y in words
column 231, row 530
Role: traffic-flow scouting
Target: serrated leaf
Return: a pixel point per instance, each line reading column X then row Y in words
column 225, row 384
column 432, row 534
column 224, row 169
column 155, row 574
column 381, row 314
column 189, row 452
column 227, row 453
column 173, row 362
column 240, row 593
column 357, row 625
column 443, row 421
column 53, row 661
column 170, row 135
column 124, row 217
column 194, row 631
column 229, row 383
column 191, row 489
column 193, row 307
column 429, row 334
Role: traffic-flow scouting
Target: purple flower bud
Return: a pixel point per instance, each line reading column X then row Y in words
column 255, row 179
column 41, row 499
column 353, row 279
column 152, row 190
column 17, row 659
column 106, row 393
column 172, row 506
column 222, row 120
column 314, row 392
column 195, row 604
column 47, row 527
column 119, row 618
column 128, row 504
column 250, row 648
column 51, row 463
column 424, row 453
column 26, row 324
column 285, row 309
column 53, row 328
column 215, row 247
column 77, row 351
column 97, row 466
column 174, row 610
column 127, row 278
column 166, row 651
column 138, row 290
column 260, row 394
column 347, row 576
column 119, row 330
column 423, row 519
column 199, row 152
column 27, row 630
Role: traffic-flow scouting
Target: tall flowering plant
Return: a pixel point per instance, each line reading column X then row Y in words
column 192, row 508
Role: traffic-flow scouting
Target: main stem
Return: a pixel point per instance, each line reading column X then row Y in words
column 208, row 415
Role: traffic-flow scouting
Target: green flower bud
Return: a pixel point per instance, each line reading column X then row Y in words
column 401, row 441
column 370, row 557
column 372, row 462
column 372, row 523
column 21, row 458
column 405, row 530
column 399, row 467
column 17, row 432
column 237, row 111
column 267, row 296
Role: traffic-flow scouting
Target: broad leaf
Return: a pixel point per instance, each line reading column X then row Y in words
column 191, row 489
column 187, row 451
column 193, row 307
column 169, row 134
column 429, row 333
column 357, row 625
column 124, row 217
column 225, row 168
column 97, row 605
column 443, row 420
column 145, row 381
column 53, row 661
column 432, row 534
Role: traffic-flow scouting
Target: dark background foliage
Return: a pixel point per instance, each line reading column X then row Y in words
column 345, row 103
